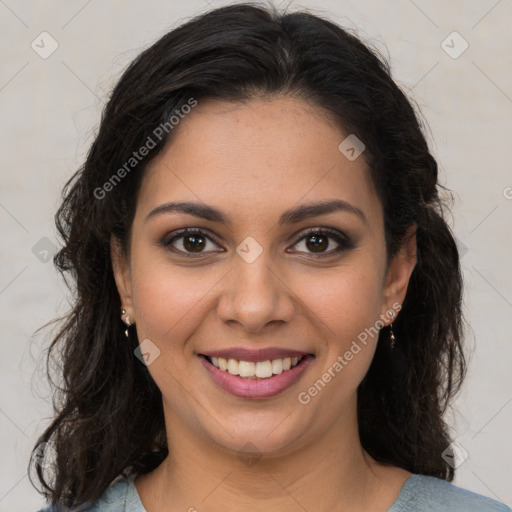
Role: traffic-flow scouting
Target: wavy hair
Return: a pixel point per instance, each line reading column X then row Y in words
column 108, row 410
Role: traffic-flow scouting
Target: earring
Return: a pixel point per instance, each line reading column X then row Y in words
column 392, row 336
column 127, row 321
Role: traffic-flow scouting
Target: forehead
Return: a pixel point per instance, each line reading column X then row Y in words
column 261, row 156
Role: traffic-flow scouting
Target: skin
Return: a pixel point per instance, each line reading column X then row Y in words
column 253, row 161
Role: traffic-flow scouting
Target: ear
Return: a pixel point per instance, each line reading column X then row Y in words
column 398, row 274
column 121, row 269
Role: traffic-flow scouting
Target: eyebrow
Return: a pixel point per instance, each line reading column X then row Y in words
column 291, row 216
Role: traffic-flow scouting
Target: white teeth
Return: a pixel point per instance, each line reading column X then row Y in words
column 260, row 369
column 277, row 366
column 263, row 369
column 233, row 367
column 246, row 369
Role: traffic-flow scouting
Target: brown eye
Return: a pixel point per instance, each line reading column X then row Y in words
column 189, row 241
column 194, row 243
column 317, row 243
column 322, row 242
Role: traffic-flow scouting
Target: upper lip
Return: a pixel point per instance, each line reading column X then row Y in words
column 252, row 355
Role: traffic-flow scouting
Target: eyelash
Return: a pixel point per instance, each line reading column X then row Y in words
column 345, row 243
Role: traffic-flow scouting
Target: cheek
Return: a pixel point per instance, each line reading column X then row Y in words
column 345, row 305
column 169, row 301
column 346, row 299
column 348, row 312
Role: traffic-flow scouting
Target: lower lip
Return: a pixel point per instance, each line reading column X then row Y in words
column 256, row 388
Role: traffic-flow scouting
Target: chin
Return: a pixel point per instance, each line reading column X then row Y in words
column 256, row 436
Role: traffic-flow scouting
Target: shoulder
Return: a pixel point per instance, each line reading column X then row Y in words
column 422, row 493
column 120, row 496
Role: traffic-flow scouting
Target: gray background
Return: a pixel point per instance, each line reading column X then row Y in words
column 50, row 108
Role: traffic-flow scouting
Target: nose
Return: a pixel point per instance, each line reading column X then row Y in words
column 254, row 295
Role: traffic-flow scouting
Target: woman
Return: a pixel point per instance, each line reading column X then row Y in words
column 268, row 298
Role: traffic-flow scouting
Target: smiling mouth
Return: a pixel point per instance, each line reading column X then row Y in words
column 254, row 370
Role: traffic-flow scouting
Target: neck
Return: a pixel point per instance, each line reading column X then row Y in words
column 332, row 473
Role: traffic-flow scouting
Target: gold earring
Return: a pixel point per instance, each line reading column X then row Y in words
column 392, row 335
column 127, row 321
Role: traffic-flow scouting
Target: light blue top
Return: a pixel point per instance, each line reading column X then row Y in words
column 419, row 494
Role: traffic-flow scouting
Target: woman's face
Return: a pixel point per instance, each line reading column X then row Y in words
column 256, row 285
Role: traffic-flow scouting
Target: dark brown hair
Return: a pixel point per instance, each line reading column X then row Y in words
column 108, row 410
